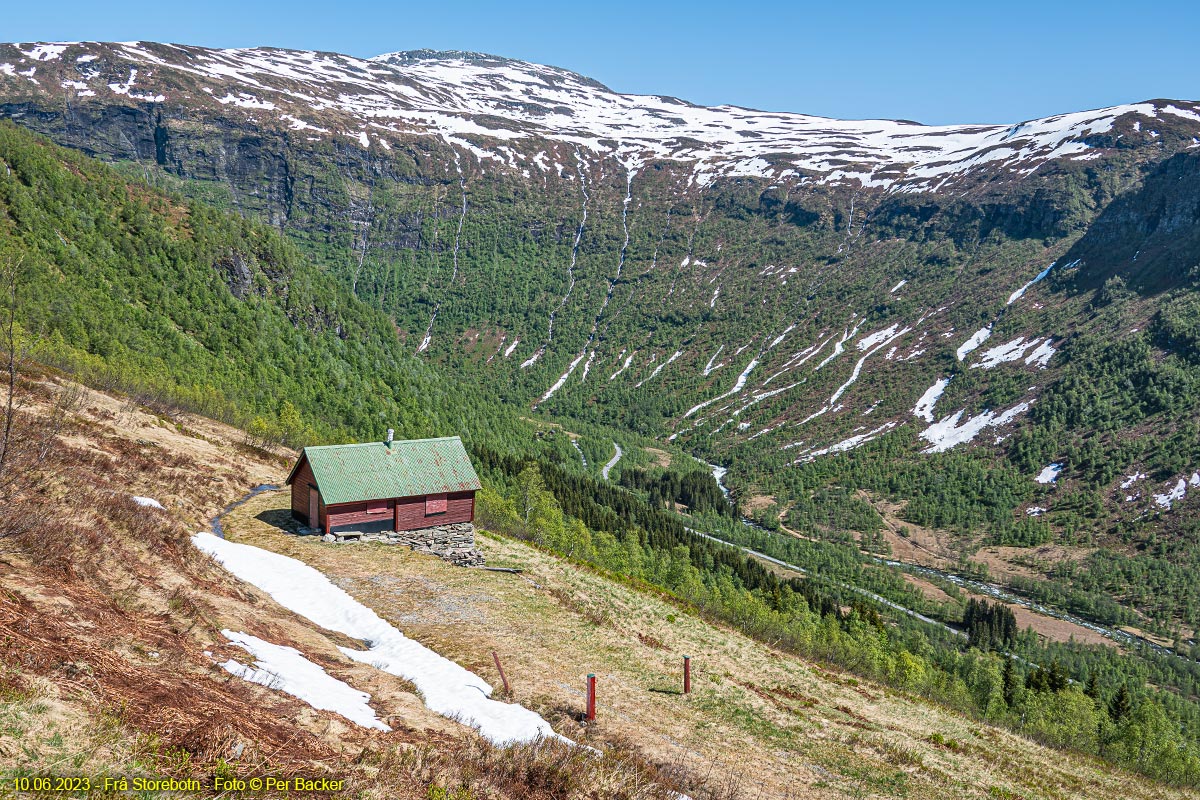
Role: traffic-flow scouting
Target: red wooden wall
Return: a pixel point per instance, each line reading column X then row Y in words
column 408, row 513
column 301, row 482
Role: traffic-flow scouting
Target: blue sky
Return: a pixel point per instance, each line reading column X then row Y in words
column 935, row 62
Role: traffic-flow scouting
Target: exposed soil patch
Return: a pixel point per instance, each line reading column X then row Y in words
column 926, row 547
column 755, row 503
column 661, row 457
column 930, row 591
column 1005, row 563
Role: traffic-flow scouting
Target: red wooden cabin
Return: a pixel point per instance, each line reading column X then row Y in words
column 384, row 486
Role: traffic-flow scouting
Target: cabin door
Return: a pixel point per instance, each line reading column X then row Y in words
column 314, row 508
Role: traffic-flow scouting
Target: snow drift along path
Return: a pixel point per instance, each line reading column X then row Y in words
column 286, row 669
column 447, row 688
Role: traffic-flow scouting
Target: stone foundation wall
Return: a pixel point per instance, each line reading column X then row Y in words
column 454, row 542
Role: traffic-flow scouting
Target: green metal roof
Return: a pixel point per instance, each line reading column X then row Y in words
column 348, row 473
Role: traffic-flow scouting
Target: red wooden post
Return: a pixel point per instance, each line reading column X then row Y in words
column 500, row 669
column 687, row 674
column 591, row 697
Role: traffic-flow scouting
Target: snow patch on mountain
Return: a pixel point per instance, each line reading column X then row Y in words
column 1172, row 496
column 977, row 338
column 624, row 366
column 709, row 368
column 1049, row 474
column 867, row 342
column 1041, row 356
column 658, row 369
column 839, row 347
column 847, row 445
column 738, row 385
column 1019, row 293
column 925, row 404
column 893, row 335
column 1009, row 351
column 46, row 52
column 948, row 433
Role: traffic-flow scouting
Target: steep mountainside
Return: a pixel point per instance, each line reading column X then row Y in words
column 986, row 325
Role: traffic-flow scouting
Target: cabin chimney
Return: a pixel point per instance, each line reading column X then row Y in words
column 389, row 437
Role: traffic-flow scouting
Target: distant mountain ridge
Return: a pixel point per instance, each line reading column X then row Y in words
column 464, row 97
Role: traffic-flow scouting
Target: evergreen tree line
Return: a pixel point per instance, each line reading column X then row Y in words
column 697, row 491
column 989, row 625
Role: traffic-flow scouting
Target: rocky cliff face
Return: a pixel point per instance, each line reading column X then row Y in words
column 1149, row 237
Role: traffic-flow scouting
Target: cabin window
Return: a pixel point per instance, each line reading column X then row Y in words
column 377, row 506
column 435, row 504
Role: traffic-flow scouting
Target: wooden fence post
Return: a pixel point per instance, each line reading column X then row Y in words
column 687, row 674
column 500, row 669
column 591, row 697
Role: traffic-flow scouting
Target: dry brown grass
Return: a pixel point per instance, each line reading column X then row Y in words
column 110, row 640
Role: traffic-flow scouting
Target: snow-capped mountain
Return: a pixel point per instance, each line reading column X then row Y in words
column 489, row 106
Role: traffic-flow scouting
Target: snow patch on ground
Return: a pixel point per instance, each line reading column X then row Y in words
column 448, row 689
column 1132, row 479
column 45, row 52
column 1049, row 474
column 867, row 342
column 977, row 338
column 1042, row 355
column 893, row 335
column 947, row 433
column 738, row 385
column 924, row 406
column 709, row 368
column 148, row 502
column 658, row 369
column 781, row 336
column 1019, row 293
column 847, row 444
column 1168, row 499
column 286, row 669
column 838, row 347
column 625, row 366
column 1009, row 351
column 244, row 100
column 558, row 384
